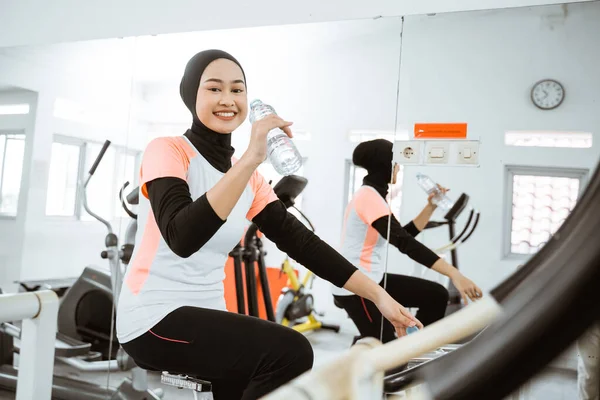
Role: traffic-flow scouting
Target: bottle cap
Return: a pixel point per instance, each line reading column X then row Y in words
column 411, row 329
column 255, row 103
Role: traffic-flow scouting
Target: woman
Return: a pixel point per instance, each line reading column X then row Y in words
column 195, row 203
column 364, row 241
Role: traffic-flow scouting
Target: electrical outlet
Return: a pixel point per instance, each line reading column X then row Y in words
column 407, row 152
column 437, row 152
column 467, row 152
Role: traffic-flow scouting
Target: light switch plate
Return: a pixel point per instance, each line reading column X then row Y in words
column 467, row 152
column 437, row 152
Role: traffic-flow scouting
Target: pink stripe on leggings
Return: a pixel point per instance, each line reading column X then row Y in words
column 167, row 339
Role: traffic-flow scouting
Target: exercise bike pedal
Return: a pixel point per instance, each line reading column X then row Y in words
column 202, row 388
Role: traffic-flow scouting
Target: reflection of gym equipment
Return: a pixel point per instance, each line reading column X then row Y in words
column 86, row 312
column 454, row 301
column 295, row 303
column 86, row 316
column 542, row 262
column 250, row 253
column 558, row 283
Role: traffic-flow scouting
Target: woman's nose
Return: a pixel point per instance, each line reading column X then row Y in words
column 226, row 101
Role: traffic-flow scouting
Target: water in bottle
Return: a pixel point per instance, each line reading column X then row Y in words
column 281, row 151
column 440, row 199
column 411, row 329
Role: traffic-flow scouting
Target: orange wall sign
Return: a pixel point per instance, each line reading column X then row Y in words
column 441, row 131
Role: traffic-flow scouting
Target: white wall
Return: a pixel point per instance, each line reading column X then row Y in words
column 12, row 229
column 96, row 75
column 478, row 68
column 67, row 20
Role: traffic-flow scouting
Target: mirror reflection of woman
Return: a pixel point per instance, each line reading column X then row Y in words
column 364, row 234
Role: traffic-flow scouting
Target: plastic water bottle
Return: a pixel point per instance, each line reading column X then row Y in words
column 411, row 329
column 440, row 199
column 281, row 151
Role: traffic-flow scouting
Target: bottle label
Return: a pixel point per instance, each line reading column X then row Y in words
column 276, row 138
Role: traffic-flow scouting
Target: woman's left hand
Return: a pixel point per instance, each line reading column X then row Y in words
column 432, row 195
column 394, row 312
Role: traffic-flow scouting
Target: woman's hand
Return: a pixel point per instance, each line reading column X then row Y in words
column 394, row 312
column 257, row 149
column 466, row 287
column 432, row 195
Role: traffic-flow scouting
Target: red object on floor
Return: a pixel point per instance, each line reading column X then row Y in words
column 277, row 281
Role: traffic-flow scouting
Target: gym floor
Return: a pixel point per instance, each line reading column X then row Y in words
column 552, row 384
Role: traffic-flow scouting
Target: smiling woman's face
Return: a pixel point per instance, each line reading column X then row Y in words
column 222, row 102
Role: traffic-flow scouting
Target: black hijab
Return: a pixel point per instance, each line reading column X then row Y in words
column 214, row 146
column 376, row 157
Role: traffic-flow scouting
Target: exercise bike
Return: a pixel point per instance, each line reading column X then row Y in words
column 295, row 303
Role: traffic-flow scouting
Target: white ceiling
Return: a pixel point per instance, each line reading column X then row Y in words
column 28, row 22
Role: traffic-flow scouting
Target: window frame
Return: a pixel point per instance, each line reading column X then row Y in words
column 8, row 132
column 349, row 178
column 509, row 172
column 80, row 143
column 84, row 145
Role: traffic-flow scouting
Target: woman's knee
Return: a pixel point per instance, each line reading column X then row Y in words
column 300, row 352
column 440, row 293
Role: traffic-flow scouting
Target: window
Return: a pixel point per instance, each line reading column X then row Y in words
column 540, row 201
column 363, row 136
column 355, row 180
column 70, row 162
column 62, row 193
column 548, row 139
column 12, row 153
column 355, row 175
column 14, row 109
column 100, row 198
column 270, row 175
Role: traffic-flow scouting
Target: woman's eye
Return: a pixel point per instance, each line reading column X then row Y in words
column 214, row 89
column 238, row 90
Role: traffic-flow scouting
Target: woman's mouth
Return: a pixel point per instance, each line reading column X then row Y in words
column 225, row 115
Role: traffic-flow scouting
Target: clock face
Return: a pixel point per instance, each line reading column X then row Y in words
column 547, row 94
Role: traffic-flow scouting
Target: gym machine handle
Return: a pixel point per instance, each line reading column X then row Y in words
column 127, row 210
column 99, row 158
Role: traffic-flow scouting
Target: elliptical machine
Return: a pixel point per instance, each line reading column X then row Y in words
column 86, row 311
column 454, row 301
column 88, row 307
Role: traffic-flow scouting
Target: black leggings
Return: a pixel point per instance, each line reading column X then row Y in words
column 243, row 357
column 431, row 298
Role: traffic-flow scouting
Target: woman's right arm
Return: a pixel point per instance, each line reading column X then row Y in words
column 186, row 225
